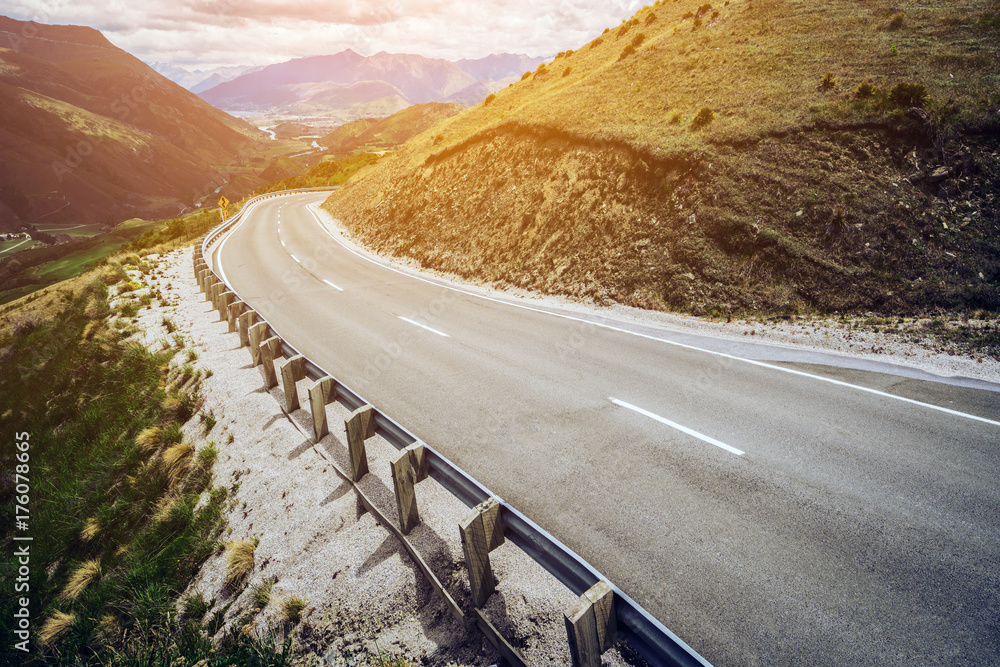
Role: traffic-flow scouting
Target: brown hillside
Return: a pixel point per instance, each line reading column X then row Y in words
column 88, row 133
column 385, row 133
column 796, row 191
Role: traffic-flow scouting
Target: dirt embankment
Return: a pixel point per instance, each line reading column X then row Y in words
column 817, row 220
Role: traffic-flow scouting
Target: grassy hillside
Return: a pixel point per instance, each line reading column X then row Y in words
column 765, row 156
column 373, row 134
column 325, row 174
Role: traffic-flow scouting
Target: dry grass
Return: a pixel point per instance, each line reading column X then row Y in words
column 239, row 563
column 291, row 609
column 80, row 579
column 55, row 628
column 90, row 530
column 177, row 461
column 149, row 440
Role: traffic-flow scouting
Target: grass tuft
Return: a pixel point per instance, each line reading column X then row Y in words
column 90, row 530
column 80, row 579
column 239, row 564
column 291, row 609
column 55, row 628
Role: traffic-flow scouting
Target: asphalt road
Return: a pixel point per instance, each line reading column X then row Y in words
column 772, row 513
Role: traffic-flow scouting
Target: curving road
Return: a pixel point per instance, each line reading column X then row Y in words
column 768, row 512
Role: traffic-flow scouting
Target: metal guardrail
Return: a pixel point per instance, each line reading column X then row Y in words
column 645, row 634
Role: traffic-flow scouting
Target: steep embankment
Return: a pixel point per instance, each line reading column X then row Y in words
column 797, row 189
column 88, row 133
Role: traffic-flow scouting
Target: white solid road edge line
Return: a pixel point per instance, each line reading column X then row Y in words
column 333, row 286
column 424, row 326
column 296, row 259
column 679, row 427
column 762, row 364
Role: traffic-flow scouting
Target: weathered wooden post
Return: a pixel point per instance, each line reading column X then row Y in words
column 321, row 394
column 225, row 300
column 217, row 291
column 292, row 371
column 256, row 333
column 418, row 461
column 235, row 310
column 591, row 625
column 359, row 426
column 477, row 557
column 247, row 320
column 267, row 361
column 403, row 480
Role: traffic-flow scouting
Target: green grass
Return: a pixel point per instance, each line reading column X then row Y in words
column 77, row 262
column 116, row 536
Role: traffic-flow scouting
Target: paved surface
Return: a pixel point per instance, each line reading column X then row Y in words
column 765, row 514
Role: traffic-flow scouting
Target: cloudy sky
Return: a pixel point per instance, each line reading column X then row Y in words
column 209, row 33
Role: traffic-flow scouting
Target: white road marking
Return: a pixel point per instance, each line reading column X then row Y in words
column 679, row 427
column 333, row 286
column 296, row 259
column 761, row 364
column 282, row 242
column 424, row 326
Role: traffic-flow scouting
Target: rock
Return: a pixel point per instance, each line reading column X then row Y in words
column 938, row 175
column 919, row 115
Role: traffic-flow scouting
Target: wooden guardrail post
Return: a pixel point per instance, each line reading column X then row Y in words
column 321, row 394
column 591, row 625
column 256, row 333
column 207, row 284
column 403, row 481
column 292, row 371
column 418, row 461
column 359, row 426
column 202, row 278
column 267, row 355
column 247, row 320
column 477, row 557
column 217, row 290
column 235, row 310
column 225, row 300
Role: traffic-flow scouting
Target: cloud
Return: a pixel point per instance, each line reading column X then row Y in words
column 207, row 33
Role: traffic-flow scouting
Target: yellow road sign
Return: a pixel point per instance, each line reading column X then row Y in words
column 223, row 202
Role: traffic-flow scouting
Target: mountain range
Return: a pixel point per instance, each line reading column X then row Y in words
column 201, row 80
column 89, row 133
column 347, row 85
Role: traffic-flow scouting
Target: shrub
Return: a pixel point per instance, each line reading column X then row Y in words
column 596, row 42
column 638, row 39
column 651, row 18
column 909, row 94
column 239, row 563
column 168, row 324
column 696, row 24
column 525, row 75
column 675, row 118
column 567, row 71
column 626, row 52
column 865, row 90
column 149, row 440
column 895, row 22
column 489, row 98
column 704, row 9
column 715, row 14
column 829, row 82
column 704, row 116
column 292, row 608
